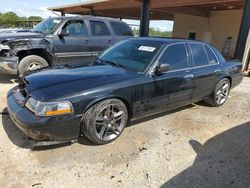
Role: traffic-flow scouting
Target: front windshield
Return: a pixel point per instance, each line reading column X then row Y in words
column 47, row 26
column 133, row 55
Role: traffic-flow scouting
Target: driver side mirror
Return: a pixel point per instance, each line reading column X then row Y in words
column 63, row 32
column 161, row 69
column 164, row 68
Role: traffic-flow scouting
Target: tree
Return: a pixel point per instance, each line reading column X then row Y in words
column 154, row 32
column 35, row 18
column 8, row 19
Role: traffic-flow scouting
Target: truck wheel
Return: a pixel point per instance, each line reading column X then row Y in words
column 31, row 63
column 105, row 121
column 220, row 93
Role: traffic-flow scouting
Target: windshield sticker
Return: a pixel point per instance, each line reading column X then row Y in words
column 147, row 48
column 56, row 21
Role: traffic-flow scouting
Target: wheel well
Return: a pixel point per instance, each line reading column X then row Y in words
column 39, row 52
column 230, row 79
column 127, row 104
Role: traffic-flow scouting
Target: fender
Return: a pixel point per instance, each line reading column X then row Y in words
column 31, row 46
column 110, row 96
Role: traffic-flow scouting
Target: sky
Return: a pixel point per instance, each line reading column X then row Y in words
column 39, row 8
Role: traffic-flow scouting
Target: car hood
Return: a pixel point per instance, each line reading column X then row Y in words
column 21, row 35
column 57, row 83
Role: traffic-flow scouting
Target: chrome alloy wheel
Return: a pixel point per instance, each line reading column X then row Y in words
column 110, row 122
column 222, row 92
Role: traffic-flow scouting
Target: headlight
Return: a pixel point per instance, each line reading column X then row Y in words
column 4, row 47
column 49, row 108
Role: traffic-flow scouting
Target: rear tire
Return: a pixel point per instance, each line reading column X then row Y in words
column 105, row 121
column 31, row 63
column 220, row 93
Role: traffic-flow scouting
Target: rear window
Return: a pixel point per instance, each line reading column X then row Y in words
column 199, row 54
column 99, row 28
column 121, row 29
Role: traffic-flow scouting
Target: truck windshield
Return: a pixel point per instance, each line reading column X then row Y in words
column 47, row 26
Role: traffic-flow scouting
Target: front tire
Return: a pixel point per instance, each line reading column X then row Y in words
column 31, row 63
column 220, row 93
column 105, row 121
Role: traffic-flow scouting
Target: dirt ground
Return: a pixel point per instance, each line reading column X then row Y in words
column 195, row 146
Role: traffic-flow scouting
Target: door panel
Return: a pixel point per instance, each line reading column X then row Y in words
column 168, row 91
column 179, row 88
column 156, row 97
column 74, row 48
column 205, row 79
column 174, row 88
column 206, row 70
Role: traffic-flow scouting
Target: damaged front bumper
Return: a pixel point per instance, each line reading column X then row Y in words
column 43, row 129
column 8, row 65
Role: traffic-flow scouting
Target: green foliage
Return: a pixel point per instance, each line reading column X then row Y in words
column 135, row 31
column 157, row 33
column 154, row 32
column 10, row 19
column 35, row 18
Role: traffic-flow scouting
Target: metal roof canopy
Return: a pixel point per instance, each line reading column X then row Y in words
column 147, row 10
column 159, row 9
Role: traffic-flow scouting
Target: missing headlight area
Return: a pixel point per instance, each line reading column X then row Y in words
column 4, row 50
column 19, row 44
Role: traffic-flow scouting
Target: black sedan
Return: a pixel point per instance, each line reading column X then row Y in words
column 133, row 79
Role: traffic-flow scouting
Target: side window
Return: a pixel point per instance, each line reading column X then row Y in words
column 211, row 57
column 199, row 55
column 99, row 28
column 121, row 29
column 76, row 28
column 176, row 56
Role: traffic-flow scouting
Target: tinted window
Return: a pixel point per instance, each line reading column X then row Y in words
column 76, row 28
column 199, row 54
column 211, row 57
column 176, row 56
column 99, row 28
column 121, row 28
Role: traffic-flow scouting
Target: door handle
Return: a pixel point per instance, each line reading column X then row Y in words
column 86, row 41
column 217, row 71
column 189, row 76
column 109, row 41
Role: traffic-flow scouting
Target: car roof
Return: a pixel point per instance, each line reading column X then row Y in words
column 86, row 17
column 168, row 40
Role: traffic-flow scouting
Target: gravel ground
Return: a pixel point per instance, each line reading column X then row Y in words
column 195, row 146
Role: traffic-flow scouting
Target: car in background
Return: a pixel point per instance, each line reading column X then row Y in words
column 15, row 30
column 60, row 40
column 135, row 78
